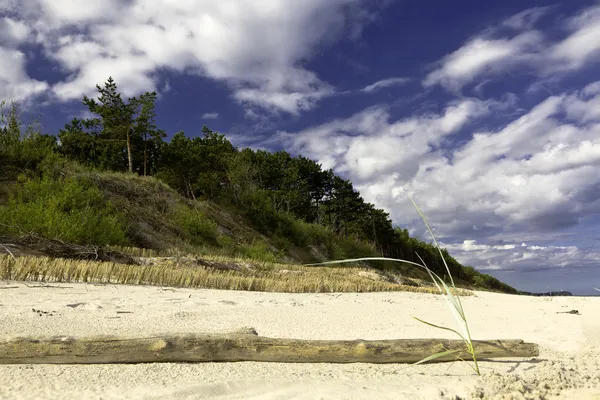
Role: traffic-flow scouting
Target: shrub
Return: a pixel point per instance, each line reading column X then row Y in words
column 479, row 280
column 261, row 215
column 259, row 251
column 69, row 209
column 467, row 273
column 197, row 227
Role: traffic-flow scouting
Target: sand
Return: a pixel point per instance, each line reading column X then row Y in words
column 568, row 366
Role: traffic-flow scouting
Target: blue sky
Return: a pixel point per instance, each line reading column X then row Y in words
column 487, row 112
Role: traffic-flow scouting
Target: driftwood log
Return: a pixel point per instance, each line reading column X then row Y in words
column 243, row 345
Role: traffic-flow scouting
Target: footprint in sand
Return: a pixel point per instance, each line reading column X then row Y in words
column 85, row 306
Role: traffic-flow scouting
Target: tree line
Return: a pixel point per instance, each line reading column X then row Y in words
column 268, row 188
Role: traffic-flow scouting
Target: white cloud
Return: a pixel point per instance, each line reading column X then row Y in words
column 79, row 11
column 212, row 115
column 368, row 148
column 492, row 52
column 257, row 47
column 526, row 19
column 14, row 82
column 536, row 174
column 585, row 108
column 483, row 57
column 582, row 45
column 385, row 83
column 521, row 256
column 13, row 32
column 289, row 95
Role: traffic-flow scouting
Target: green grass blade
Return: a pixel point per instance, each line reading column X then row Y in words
column 440, row 327
column 433, row 236
column 452, row 300
column 437, row 355
column 350, row 260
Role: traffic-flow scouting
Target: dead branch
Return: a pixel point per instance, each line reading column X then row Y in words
column 242, row 346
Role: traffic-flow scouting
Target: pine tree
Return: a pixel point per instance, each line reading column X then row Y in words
column 145, row 129
column 116, row 120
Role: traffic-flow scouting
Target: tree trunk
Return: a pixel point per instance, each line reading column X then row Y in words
column 243, row 345
column 129, row 160
column 189, row 186
column 145, row 157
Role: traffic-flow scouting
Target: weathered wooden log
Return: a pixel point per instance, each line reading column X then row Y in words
column 242, row 346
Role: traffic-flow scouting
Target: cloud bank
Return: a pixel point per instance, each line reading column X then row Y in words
column 485, row 191
column 257, row 47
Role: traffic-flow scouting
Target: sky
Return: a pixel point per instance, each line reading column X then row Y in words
column 486, row 112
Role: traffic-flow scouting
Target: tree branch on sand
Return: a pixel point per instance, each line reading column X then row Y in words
column 242, row 345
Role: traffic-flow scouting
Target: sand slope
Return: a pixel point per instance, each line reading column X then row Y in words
column 568, row 366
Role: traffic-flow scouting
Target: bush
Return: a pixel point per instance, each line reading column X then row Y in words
column 69, row 209
column 294, row 230
column 467, row 273
column 197, row 227
column 259, row 251
column 355, row 248
column 309, row 234
column 479, row 280
column 261, row 215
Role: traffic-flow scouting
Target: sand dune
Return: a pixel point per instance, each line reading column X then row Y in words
column 568, row 365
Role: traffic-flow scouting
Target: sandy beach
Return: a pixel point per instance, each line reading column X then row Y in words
column 568, row 366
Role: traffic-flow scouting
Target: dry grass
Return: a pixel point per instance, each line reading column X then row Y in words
column 141, row 252
column 174, row 272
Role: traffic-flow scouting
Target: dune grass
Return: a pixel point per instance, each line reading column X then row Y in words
column 211, row 273
column 451, row 295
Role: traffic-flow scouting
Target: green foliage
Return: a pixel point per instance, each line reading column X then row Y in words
column 493, row 283
column 289, row 199
column 467, row 273
column 260, row 213
column 197, row 167
column 21, row 150
column 81, row 146
column 355, row 248
column 148, row 139
column 259, row 250
column 195, row 224
column 478, row 280
column 122, row 137
column 70, row 209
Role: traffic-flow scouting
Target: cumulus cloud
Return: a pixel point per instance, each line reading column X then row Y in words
column 13, row 32
column 367, row 145
column 522, row 256
column 384, row 83
column 495, row 51
column 536, row 174
column 256, row 47
column 15, row 84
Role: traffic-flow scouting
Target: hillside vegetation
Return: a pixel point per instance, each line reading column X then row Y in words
column 114, row 182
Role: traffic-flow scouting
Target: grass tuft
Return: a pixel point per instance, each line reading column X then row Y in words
column 451, row 296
